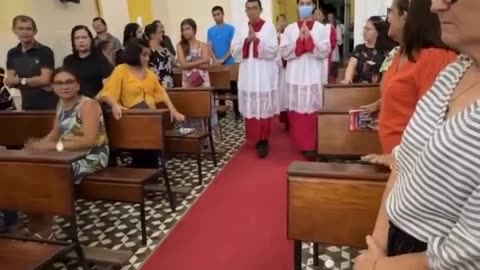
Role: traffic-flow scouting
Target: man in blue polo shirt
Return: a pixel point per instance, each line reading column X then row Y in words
column 219, row 38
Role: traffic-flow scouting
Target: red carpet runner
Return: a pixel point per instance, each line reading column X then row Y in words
column 239, row 223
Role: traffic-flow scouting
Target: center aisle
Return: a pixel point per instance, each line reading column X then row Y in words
column 239, row 223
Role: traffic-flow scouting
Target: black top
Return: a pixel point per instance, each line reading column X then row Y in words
column 161, row 62
column 29, row 64
column 167, row 43
column 90, row 71
column 369, row 62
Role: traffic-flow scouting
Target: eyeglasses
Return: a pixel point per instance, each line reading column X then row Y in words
column 64, row 83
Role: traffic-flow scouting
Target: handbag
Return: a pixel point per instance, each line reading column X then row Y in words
column 195, row 79
column 6, row 102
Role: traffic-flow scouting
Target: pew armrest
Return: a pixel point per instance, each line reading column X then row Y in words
column 340, row 171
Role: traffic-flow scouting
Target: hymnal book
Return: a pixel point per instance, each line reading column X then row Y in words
column 360, row 119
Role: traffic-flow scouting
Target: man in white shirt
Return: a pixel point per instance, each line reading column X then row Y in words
column 256, row 48
column 306, row 46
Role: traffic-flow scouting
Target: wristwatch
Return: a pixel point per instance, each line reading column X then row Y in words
column 23, row 81
column 59, row 146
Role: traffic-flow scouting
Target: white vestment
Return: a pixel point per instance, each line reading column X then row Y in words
column 305, row 74
column 258, row 77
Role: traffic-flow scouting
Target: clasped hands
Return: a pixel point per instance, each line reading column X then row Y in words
column 304, row 31
column 251, row 34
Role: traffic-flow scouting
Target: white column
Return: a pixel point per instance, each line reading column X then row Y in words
column 363, row 10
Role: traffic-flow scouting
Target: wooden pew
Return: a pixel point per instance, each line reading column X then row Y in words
column 39, row 183
column 332, row 203
column 334, row 137
column 220, row 77
column 193, row 103
column 336, row 140
column 341, row 96
column 114, row 183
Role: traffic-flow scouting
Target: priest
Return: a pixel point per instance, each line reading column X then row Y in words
column 305, row 45
column 256, row 49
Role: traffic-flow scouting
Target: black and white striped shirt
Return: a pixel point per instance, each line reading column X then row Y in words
column 436, row 197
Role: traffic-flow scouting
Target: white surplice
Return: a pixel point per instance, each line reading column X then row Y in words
column 305, row 74
column 258, row 77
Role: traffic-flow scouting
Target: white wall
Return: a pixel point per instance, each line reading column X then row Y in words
column 54, row 20
column 239, row 17
column 363, row 10
column 172, row 12
column 115, row 13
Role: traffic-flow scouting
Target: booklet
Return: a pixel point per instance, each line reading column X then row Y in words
column 359, row 120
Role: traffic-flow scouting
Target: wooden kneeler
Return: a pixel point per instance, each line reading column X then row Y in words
column 332, row 203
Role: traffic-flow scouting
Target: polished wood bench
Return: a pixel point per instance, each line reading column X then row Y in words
column 113, row 183
column 332, row 203
column 39, row 183
column 220, row 78
column 335, row 140
column 194, row 103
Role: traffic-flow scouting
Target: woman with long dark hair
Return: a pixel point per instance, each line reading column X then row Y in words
column 87, row 62
column 366, row 59
column 132, row 31
column 161, row 60
column 193, row 56
column 414, row 66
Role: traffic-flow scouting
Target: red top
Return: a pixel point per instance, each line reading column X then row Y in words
column 402, row 87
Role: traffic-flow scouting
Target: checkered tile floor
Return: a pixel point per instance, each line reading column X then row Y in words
column 116, row 225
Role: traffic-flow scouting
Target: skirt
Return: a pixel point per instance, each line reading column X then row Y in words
column 400, row 243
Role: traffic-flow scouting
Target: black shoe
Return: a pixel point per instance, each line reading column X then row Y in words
column 310, row 155
column 262, row 149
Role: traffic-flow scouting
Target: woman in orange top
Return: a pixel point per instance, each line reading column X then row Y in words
column 413, row 68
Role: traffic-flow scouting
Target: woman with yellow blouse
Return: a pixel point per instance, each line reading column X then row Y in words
column 133, row 85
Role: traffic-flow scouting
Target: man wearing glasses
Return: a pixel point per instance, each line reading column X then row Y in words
column 29, row 67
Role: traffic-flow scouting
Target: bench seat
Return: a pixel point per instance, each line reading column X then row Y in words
column 29, row 255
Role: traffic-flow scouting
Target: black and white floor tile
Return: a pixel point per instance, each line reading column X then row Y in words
column 117, row 226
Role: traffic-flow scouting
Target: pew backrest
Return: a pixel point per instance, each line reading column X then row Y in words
column 341, row 96
column 19, row 126
column 220, row 76
column 192, row 102
column 334, row 203
column 37, row 182
column 137, row 129
column 334, row 137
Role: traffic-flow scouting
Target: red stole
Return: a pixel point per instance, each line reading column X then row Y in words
column 257, row 26
column 305, row 45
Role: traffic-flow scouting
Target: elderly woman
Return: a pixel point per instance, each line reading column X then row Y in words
column 429, row 217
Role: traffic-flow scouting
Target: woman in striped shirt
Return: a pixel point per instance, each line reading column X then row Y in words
column 430, row 217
